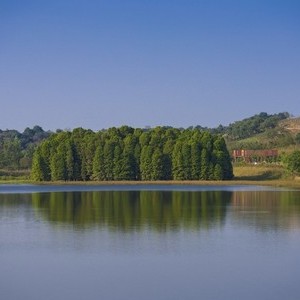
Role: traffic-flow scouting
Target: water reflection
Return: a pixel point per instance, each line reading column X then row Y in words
column 266, row 210
column 150, row 245
column 159, row 210
column 127, row 210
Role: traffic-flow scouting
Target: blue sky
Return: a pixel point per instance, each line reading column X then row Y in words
column 98, row 64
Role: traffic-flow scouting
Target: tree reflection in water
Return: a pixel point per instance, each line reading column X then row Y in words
column 159, row 210
column 134, row 210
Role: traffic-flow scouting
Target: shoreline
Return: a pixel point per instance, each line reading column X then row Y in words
column 292, row 183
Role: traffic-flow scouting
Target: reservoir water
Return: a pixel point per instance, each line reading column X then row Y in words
column 149, row 242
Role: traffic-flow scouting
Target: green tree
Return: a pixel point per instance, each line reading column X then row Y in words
column 118, row 163
column 186, row 157
column 218, row 172
column 137, row 157
column 70, row 161
column 222, row 158
column 127, row 167
column 11, row 153
column 58, row 166
column 293, row 162
column 195, row 160
column 146, row 163
column 178, row 162
column 204, row 173
column 157, row 170
column 98, row 164
column 108, row 150
column 40, row 170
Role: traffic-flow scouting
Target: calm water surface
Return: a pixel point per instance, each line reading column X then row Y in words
column 149, row 242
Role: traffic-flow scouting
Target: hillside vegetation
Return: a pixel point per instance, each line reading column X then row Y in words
column 264, row 131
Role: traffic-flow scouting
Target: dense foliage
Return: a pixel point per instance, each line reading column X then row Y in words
column 126, row 153
column 16, row 149
column 292, row 162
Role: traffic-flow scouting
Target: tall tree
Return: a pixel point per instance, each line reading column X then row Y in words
column 58, row 164
column 195, row 160
column 186, row 156
column 117, row 163
column 127, row 167
column 108, row 150
column 146, row 162
column 98, row 164
column 204, row 171
column 40, row 170
column 178, row 162
column 157, row 170
column 10, row 153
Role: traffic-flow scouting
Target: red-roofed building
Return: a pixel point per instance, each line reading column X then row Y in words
column 254, row 155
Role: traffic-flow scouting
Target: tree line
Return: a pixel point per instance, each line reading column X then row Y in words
column 126, row 153
column 16, row 149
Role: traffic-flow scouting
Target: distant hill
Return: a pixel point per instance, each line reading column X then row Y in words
column 263, row 131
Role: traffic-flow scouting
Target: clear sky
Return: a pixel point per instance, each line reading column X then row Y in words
column 103, row 63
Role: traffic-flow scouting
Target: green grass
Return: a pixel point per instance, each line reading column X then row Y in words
column 259, row 172
column 14, row 175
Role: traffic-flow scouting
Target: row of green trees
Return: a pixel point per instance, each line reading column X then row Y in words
column 126, row 153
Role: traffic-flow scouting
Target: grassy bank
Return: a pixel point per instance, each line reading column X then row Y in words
column 260, row 172
column 14, row 175
column 267, row 175
column 291, row 183
column 271, row 175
